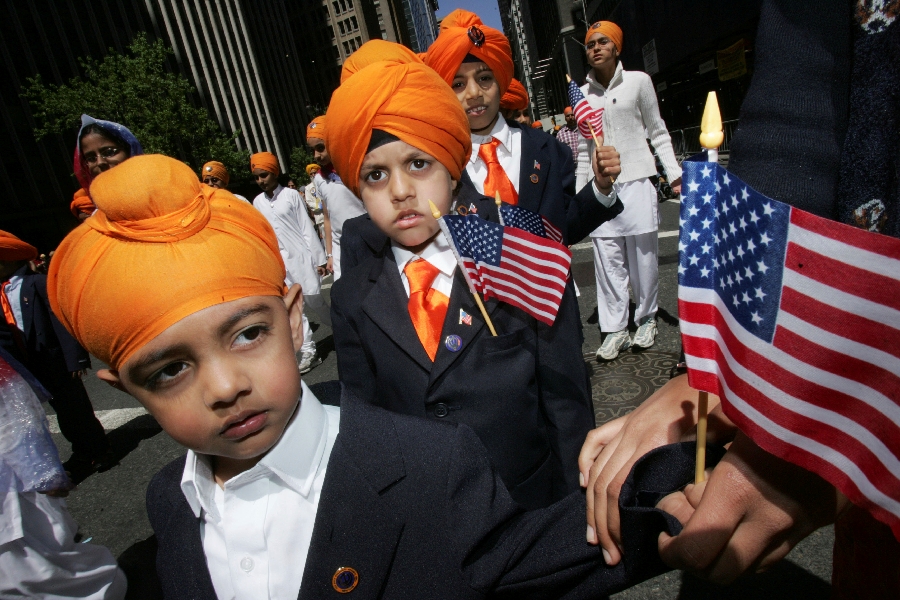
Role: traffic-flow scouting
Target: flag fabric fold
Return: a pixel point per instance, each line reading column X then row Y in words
column 530, row 221
column 794, row 321
column 510, row 264
column 584, row 112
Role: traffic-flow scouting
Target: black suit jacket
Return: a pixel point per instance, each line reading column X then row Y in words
column 50, row 348
column 524, row 392
column 547, row 186
column 415, row 509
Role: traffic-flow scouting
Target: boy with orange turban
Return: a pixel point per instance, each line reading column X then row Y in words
column 304, row 257
column 215, row 174
column 338, row 203
column 514, row 102
column 33, row 335
column 278, row 495
column 526, row 166
column 407, row 332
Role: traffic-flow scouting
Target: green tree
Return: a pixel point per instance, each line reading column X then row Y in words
column 135, row 89
column 300, row 157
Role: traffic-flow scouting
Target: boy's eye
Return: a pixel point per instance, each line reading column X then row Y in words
column 418, row 164
column 375, row 176
column 166, row 374
column 250, row 335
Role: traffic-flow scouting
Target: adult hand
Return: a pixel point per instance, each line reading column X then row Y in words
column 747, row 515
column 610, row 451
column 676, row 186
column 329, row 266
column 605, row 162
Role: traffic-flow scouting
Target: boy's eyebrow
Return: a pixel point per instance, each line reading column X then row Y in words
column 242, row 314
column 411, row 153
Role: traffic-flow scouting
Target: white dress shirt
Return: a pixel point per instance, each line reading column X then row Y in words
column 256, row 531
column 509, row 154
column 439, row 254
column 300, row 247
column 14, row 294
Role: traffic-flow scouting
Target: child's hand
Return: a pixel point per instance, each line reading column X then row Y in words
column 605, row 162
column 750, row 512
column 322, row 270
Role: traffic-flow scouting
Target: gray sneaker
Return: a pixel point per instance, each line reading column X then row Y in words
column 308, row 361
column 646, row 333
column 613, row 344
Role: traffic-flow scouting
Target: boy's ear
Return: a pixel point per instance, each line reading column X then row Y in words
column 112, row 378
column 293, row 301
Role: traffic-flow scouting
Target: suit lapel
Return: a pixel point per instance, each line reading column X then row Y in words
column 355, row 526
column 460, row 299
column 387, row 304
column 532, row 170
column 26, row 302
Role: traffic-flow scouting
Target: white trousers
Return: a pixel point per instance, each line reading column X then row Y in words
column 618, row 262
column 315, row 304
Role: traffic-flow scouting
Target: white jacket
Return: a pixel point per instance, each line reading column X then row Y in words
column 631, row 116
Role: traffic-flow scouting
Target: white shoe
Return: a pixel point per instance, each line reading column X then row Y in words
column 613, row 344
column 308, row 361
column 646, row 333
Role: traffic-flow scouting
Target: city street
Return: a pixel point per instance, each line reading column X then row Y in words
column 109, row 506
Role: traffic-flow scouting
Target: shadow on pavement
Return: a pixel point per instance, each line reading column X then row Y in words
column 784, row 581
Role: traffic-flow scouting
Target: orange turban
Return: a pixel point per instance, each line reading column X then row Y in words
column 377, row 51
column 316, row 127
column 82, row 203
column 265, row 161
column 217, row 170
column 567, row 110
column 537, row 125
column 409, row 101
column 609, row 29
column 516, row 97
column 462, row 33
column 312, row 169
column 160, row 248
column 12, row 248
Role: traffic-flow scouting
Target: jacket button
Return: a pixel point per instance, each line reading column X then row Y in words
column 441, row 410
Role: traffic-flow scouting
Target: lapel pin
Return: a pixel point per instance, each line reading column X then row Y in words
column 462, row 210
column 473, row 209
column 345, row 580
column 537, row 165
column 453, row 343
column 464, row 317
column 534, row 178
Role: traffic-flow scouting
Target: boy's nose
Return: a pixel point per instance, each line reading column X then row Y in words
column 401, row 187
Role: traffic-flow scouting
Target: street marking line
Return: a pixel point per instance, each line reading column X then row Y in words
column 110, row 419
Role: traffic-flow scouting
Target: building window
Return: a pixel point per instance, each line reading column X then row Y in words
column 358, row 41
column 354, row 23
column 337, row 10
column 350, row 3
column 346, row 48
column 341, row 25
column 343, row 6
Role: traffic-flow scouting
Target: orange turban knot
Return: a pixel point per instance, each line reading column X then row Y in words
column 12, row 248
column 160, row 247
column 516, row 97
column 537, row 125
column 316, row 127
column 82, row 203
column 217, row 170
column 609, row 29
column 462, row 33
column 409, row 101
column 377, row 51
column 265, row 161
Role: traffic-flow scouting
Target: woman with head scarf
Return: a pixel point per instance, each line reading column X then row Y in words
column 102, row 145
column 626, row 249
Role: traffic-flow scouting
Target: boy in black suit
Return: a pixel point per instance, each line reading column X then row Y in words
column 527, row 166
column 271, row 501
column 525, row 392
column 35, row 337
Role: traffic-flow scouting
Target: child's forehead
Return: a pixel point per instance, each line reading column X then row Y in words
column 472, row 65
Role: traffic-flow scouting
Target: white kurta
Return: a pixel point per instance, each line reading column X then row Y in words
column 297, row 239
column 341, row 205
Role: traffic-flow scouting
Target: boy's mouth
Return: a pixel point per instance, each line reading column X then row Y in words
column 476, row 111
column 243, row 424
column 407, row 219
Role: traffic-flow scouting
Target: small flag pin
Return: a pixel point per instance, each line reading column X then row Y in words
column 464, row 317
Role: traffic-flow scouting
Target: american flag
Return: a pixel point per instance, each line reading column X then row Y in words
column 532, row 222
column 794, row 321
column 510, row 264
column 584, row 113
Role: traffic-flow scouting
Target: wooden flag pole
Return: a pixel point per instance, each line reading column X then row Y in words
column 437, row 215
column 700, row 467
column 711, row 137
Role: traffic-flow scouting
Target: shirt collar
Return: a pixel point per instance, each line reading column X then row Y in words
column 500, row 130
column 295, row 459
column 275, row 192
column 616, row 78
column 438, row 253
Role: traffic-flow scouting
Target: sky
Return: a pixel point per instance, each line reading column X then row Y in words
column 486, row 9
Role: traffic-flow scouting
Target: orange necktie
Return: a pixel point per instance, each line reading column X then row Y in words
column 427, row 306
column 496, row 180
